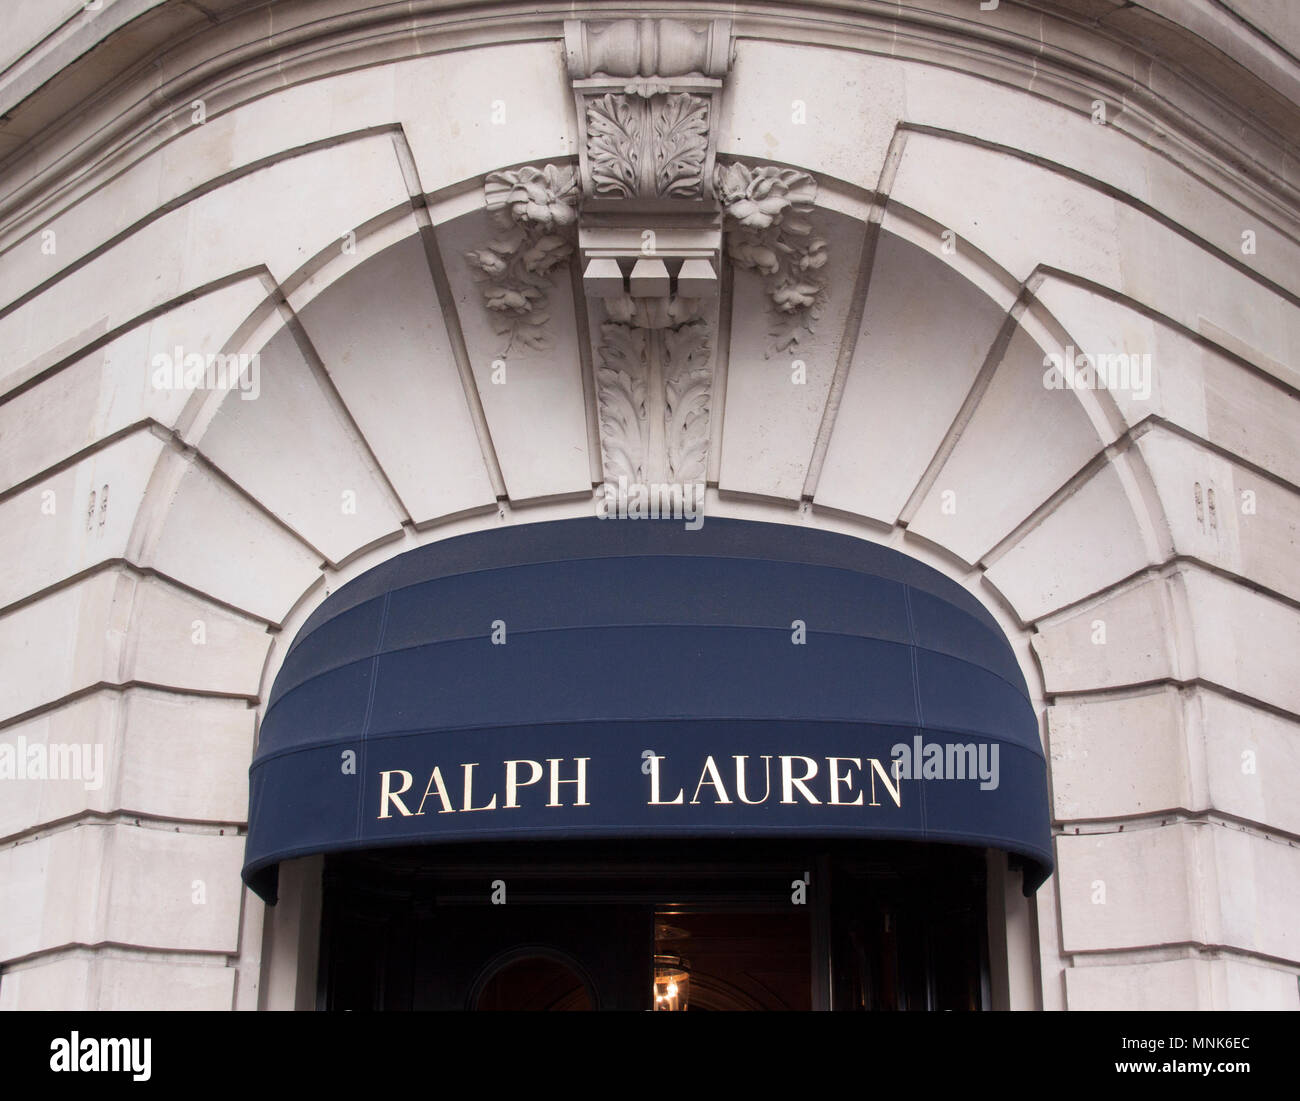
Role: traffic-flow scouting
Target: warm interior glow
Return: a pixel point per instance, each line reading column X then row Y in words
column 671, row 983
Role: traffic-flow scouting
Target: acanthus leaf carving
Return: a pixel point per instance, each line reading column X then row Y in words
column 614, row 138
column 647, row 144
column 681, row 130
column 621, row 396
column 536, row 211
column 767, row 233
column 688, row 380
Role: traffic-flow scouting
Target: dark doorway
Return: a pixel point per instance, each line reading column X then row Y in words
column 739, row 961
column 698, row 926
column 533, row 983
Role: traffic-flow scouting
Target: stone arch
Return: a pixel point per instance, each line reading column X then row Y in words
column 966, row 280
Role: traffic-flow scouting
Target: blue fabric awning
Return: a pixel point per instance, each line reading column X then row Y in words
column 617, row 678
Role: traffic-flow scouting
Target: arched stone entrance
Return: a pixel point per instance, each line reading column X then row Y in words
column 1133, row 540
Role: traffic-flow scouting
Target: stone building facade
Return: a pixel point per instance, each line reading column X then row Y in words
column 289, row 289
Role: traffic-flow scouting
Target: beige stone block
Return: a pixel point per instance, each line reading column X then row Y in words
column 446, row 104
column 1117, row 757
column 380, row 333
column 65, row 641
column 293, row 450
column 1127, row 637
column 75, row 519
column 164, row 646
column 28, row 24
column 1068, row 225
column 1128, row 890
column 1097, row 325
column 185, row 757
column 129, row 884
column 50, row 890
column 67, row 761
column 96, row 295
column 538, row 416
column 968, row 104
column 1191, row 202
column 202, row 532
column 48, row 985
column 175, row 890
column 1244, row 640
column 1248, row 416
column 145, row 985
column 1241, row 985
column 1191, row 882
column 1252, row 760
column 1169, row 750
column 832, row 110
column 1192, row 383
column 1076, row 228
column 139, row 751
column 1258, row 894
column 1166, row 985
column 1224, row 514
column 204, row 151
column 286, row 213
column 999, row 471
column 912, row 369
column 281, row 216
column 103, row 979
column 113, row 387
column 1184, row 281
column 198, row 158
column 114, row 627
column 772, row 418
column 317, row 110
column 1090, row 541
column 1174, row 985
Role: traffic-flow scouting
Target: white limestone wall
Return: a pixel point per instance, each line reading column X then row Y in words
column 1138, row 544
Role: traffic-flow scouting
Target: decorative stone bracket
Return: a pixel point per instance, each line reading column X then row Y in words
column 651, row 210
column 646, row 93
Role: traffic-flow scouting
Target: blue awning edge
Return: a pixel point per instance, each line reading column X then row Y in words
column 589, row 678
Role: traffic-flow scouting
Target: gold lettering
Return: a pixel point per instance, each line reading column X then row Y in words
column 581, row 781
column 512, row 780
column 895, row 792
column 655, row 801
column 469, row 790
column 709, row 775
column 837, row 779
column 767, row 780
column 386, row 792
column 435, row 778
column 789, row 781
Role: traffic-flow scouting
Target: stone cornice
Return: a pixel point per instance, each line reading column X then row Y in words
column 89, row 120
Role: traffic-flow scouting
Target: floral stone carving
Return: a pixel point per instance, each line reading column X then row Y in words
column 536, row 210
column 768, row 233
